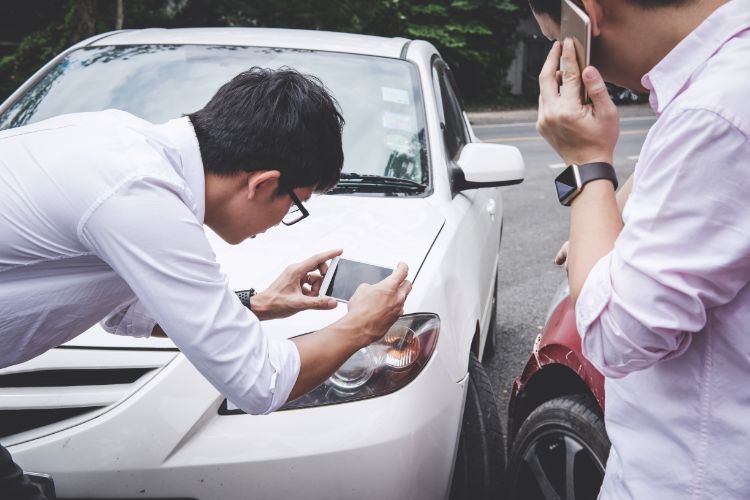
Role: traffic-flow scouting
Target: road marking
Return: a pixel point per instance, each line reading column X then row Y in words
column 633, row 158
column 529, row 124
column 640, row 131
column 556, row 165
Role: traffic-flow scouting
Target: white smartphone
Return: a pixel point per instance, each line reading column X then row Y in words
column 575, row 24
column 344, row 276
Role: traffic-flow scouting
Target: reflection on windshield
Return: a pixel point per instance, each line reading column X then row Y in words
column 379, row 97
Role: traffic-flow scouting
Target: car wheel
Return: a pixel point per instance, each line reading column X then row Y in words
column 480, row 460
column 560, row 451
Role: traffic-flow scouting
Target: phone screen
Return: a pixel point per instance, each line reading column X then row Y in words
column 349, row 274
column 575, row 24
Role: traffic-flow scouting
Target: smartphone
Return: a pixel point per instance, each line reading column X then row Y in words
column 575, row 24
column 344, row 276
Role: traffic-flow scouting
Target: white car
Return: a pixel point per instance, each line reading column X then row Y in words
column 412, row 417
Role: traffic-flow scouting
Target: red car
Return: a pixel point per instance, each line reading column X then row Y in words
column 557, row 442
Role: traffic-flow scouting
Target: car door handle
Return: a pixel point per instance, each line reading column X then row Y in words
column 490, row 207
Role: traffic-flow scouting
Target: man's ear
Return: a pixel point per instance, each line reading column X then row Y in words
column 262, row 181
column 595, row 12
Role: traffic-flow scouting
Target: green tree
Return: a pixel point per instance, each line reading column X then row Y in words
column 476, row 37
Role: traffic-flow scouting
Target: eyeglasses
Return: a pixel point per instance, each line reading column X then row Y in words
column 296, row 213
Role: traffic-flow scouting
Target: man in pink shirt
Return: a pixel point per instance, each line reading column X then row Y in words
column 662, row 287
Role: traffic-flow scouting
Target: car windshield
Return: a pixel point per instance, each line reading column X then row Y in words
column 379, row 97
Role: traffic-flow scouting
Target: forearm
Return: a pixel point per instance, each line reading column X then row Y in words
column 623, row 193
column 323, row 352
column 595, row 223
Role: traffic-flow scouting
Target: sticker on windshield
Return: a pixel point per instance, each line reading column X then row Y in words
column 398, row 121
column 399, row 96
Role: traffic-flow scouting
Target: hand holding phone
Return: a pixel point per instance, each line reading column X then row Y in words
column 375, row 308
column 345, row 275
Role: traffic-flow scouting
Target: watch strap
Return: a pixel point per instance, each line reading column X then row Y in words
column 598, row 170
column 245, row 295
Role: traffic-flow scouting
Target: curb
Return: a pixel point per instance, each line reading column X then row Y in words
column 529, row 115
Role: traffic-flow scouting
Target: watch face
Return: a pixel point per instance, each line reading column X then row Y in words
column 565, row 183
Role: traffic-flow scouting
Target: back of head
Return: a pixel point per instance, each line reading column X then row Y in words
column 266, row 119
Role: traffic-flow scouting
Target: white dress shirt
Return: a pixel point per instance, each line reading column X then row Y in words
column 666, row 315
column 103, row 213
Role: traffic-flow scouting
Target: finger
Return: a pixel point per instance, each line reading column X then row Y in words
column 315, row 284
column 548, row 89
column 571, row 73
column 560, row 259
column 320, row 303
column 399, row 274
column 312, row 263
column 597, row 91
column 405, row 289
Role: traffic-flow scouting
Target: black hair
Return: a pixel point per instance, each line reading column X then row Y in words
column 552, row 7
column 265, row 119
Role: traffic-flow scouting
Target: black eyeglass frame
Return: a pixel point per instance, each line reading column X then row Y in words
column 300, row 207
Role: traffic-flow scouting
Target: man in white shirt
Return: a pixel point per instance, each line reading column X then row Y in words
column 662, row 290
column 103, row 213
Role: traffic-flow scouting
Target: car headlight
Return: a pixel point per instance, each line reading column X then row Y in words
column 380, row 368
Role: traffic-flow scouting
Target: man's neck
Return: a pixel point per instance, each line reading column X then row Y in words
column 663, row 29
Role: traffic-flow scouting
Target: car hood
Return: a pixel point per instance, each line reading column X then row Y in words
column 378, row 230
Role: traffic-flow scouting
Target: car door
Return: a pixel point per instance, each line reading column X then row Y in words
column 478, row 209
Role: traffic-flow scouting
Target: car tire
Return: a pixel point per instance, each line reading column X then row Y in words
column 560, row 451
column 490, row 343
column 480, row 459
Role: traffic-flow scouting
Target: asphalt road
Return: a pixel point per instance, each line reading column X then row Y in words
column 534, row 228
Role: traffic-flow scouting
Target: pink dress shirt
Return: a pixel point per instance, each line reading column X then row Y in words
column 666, row 315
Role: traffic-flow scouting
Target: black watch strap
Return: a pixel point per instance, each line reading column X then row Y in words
column 598, row 170
column 244, row 296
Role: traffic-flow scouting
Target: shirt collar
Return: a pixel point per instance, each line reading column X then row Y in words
column 181, row 133
column 671, row 75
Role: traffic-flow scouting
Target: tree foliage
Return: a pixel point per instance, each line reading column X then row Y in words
column 476, row 37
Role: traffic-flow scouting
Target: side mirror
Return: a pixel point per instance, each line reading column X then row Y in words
column 487, row 165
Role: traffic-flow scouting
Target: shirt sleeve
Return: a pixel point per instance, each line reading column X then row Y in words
column 684, row 248
column 130, row 319
column 149, row 237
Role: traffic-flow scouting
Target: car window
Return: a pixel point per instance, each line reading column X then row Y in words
column 455, row 133
column 380, row 97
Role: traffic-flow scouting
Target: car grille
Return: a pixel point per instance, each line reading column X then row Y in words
column 67, row 386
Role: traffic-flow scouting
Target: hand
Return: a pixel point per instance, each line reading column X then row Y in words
column 580, row 133
column 377, row 307
column 296, row 289
column 561, row 259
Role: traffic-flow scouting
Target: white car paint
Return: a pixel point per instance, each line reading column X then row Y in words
column 161, row 435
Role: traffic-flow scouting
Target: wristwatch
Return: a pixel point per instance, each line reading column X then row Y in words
column 571, row 181
column 244, row 296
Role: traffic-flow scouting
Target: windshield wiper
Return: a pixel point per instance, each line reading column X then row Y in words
column 351, row 182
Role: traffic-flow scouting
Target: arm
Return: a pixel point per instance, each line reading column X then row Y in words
column 372, row 311
column 296, row 289
column 561, row 258
column 582, row 134
column 683, row 252
column 169, row 265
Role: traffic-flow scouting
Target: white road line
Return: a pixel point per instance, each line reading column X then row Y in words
column 556, row 165
column 633, row 158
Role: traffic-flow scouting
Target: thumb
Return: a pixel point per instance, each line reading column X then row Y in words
column 597, row 90
column 320, row 303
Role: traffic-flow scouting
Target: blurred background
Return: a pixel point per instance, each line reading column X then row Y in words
column 493, row 46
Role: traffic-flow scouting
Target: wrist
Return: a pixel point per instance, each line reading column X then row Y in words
column 261, row 306
column 354, row 330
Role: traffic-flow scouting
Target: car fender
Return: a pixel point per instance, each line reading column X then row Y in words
column 557, row 351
